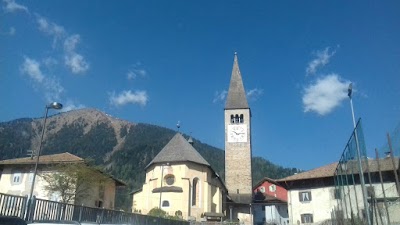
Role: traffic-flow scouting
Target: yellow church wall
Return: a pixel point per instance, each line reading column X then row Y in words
column 207, row 199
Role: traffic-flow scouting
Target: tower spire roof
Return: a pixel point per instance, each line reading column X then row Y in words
column 236, row 95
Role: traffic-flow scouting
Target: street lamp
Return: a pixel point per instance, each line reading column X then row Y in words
column 54, row 105
column 363, row 188
column 162, row 178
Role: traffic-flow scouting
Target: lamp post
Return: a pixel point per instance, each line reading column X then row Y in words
column 162, row 178
column 54, row 105
column 363, row 188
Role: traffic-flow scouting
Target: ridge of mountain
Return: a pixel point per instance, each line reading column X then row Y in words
column 120, row 147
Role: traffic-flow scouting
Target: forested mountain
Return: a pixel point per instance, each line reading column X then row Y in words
column 120, row 147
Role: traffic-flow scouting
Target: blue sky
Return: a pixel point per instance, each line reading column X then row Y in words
column 160, row 62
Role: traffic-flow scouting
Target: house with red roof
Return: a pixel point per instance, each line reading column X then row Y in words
column 270, row 203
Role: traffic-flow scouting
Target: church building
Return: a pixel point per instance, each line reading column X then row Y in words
column 181, row 182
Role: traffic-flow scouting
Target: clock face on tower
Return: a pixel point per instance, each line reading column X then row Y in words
column 237, row 133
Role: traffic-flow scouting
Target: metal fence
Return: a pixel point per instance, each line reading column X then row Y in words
column 39, row 210
column 367, row 190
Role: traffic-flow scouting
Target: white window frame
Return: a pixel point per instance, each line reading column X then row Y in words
column 16, row 178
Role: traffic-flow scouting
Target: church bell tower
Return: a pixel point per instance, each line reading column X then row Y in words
column 238, row 177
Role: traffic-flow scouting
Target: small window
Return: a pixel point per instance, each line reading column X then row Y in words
column 272, row 188
column 232, row 119
column 16, row 178
column 165, row 204
column 241, row 118
column 236, row 118
column 169, row 179
column 307, row 218
column 305, row 196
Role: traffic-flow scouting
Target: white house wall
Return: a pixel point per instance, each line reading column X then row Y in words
column 23, row 187
column 320, row 206
column 323, row 201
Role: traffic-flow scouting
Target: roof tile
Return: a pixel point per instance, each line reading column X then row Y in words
column 65, row 157
column 178, row 149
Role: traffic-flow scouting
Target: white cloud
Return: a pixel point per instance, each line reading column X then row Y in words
column 126, row 97
column 50, row 28
column 70, row 105
column 220, row 96
column 130, row 75
column 31, row 68
column 73, row 60
column 133, row 73
column 50, row 62
column 12, row 6
column 321, row 60
column 71, row 42
column 325, row 94
column 255, row 93
column 51, row 87
column 76, row 62
column 136, row 71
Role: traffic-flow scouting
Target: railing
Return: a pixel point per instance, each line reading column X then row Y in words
column 40, row 209
column 11, row 205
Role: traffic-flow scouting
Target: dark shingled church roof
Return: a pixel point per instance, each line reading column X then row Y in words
column 236, row 95
column 178, row 149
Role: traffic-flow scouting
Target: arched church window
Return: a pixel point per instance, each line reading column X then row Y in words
column 232, row 119
column 195, row 191
column 241, row 118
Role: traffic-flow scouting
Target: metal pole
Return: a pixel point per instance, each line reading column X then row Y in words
column 344, row 202
column 394, row 165
column 363, row 188
column 348, row 190
column 354, row 187
column 38, row 153
column 383, row 188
